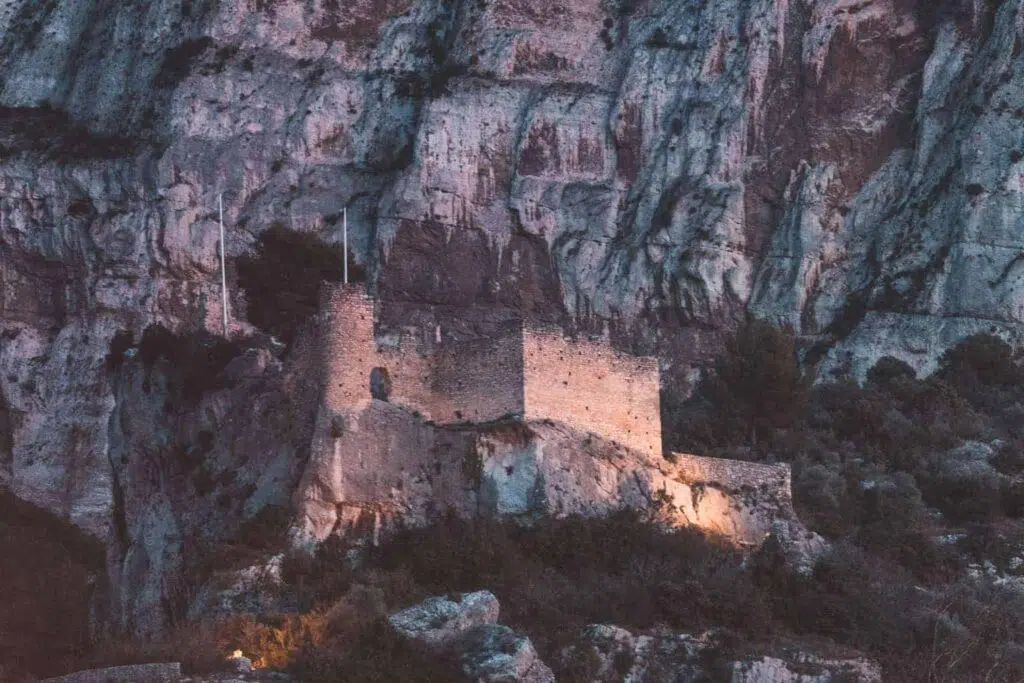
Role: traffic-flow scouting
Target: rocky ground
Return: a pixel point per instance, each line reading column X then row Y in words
column 464, row 628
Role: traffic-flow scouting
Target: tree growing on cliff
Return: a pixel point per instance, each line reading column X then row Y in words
column 758, row 382
column 983, row 359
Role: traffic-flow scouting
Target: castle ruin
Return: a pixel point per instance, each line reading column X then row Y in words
column 417, row 421
column 523, row 372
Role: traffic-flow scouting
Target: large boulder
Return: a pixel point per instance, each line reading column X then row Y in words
column 793, row 545
column 467, row 628
column 438, row 622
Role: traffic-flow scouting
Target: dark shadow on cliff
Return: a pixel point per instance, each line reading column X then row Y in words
column 47, row 570
column 48, row 131
column 282, row 277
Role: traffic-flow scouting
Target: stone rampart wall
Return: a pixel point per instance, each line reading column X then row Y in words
column 592, row 388
column 735, row 476
column 478, row 381
column 472, row 381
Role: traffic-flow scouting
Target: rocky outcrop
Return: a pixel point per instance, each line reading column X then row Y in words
column 256, row 589
column 439, row 622
column 497, row 654
column 467, row 628
column 197, row 448
column 804, row 668
column 854, row 169
column 389, row 465
column 793, row 546
column 605, row 654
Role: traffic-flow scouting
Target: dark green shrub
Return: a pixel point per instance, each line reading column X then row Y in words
column 546, row 576
column 259, row 537
column 888, row 370
column 1012, row 497
column 282, row 278
column 378, row 654
column 853, row 599
column 322, row 579
column 896, row 525
column 49, row 132
column 759, row 380
column 980, row 358
column 966, row 499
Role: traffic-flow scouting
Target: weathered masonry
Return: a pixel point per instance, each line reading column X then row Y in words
column 416, row 420
column 520, row 372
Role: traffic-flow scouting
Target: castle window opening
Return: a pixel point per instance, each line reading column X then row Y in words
column 380, row 384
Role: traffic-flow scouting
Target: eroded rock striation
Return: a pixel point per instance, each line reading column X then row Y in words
column 855, row 169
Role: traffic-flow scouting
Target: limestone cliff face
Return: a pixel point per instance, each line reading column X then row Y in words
column 853, row 167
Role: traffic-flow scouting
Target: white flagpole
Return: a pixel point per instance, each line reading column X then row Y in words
column 344, row 229
column 223, row 271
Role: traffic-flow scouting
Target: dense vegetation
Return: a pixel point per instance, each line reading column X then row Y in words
column 560, row 576
column 895, row 459
column 282, row 278
column 921, row 474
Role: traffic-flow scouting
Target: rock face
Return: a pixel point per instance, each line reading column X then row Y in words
column 854, row 169
column 188, row 470
column 795, row 546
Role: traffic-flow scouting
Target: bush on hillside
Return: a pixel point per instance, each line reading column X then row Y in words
column 178, row 61
column 376, row 654
column 983, row 359
column 888, row 370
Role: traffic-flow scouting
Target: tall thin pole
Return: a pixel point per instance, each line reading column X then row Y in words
column 223, row 270
column 344, row 230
